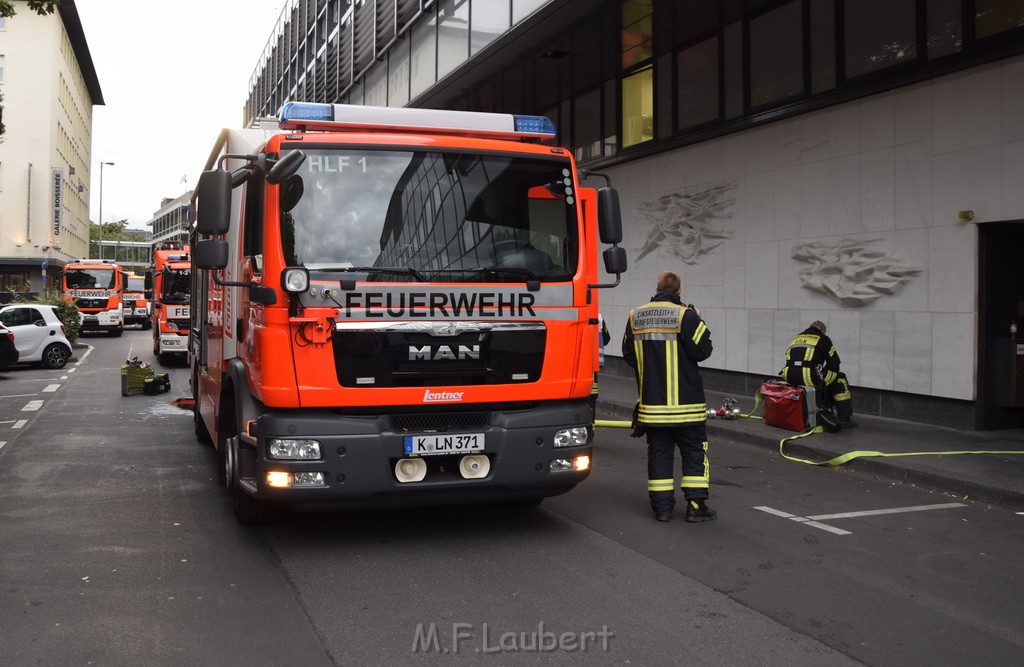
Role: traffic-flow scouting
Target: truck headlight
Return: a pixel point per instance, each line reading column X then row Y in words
column 571, row 437
column 291, row 449
column 295, row 279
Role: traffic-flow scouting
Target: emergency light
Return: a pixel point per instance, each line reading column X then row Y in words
column 316, row 116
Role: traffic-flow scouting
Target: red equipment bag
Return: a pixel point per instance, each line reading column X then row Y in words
column 785, row 405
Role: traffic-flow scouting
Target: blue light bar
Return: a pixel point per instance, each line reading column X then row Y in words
column 535, row 125
column 293, row 111
column 354, row 117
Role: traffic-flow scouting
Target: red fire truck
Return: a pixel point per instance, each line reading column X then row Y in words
column 135, row 304
column 170, row 279
column 97, row 286
column 396, row 307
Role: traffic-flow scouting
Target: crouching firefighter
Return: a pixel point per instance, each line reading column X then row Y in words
column 812, row 361
column 663, row 342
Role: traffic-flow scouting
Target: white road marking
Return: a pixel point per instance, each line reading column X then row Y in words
column 32, row 406
column 50, row 388
column 20, row 423
column 2, row 443
column 815, row 522
column 17, row 395
column 894, row 510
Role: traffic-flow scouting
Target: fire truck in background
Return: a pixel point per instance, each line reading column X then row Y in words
column 135, row 302
column 396, row 307
column 170, row 280
column 97, row 286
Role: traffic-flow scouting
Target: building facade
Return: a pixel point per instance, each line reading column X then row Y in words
column 49, row 89
column 858, row 163
column 170, row 223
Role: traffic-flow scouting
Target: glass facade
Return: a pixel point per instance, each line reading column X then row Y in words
column 625, row 76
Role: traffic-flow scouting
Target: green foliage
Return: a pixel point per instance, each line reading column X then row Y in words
column 67, row 312
column 41, row 7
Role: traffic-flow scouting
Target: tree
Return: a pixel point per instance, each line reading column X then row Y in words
column 41, row 7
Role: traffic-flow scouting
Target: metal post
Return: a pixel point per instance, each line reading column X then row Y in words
column 100, row 246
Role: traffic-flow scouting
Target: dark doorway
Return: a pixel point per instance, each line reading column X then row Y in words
column 1000, row 304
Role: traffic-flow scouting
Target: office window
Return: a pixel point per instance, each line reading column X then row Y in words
column 879, row 34
column 489, row 20
column 995, row 16
column 424, row 57
column 523, row 8
column 733, row 63
column 637, row 31
column 587, row 125
column 452, row 35
column 776, row 55
column 697, row 78
column 663, row 96
column 611, row 124
column 638, row 107
column 823, row 45
column 945, row 28
column 398, row 74
column 693, row 19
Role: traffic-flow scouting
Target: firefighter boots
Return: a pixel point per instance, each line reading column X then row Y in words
column 698, row 510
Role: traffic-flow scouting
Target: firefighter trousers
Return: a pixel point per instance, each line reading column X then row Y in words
column 692, row 442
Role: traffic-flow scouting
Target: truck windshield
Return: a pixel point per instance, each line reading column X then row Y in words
column 136, row 284
column 422, row 215
column 89, row 278
column 177, row 283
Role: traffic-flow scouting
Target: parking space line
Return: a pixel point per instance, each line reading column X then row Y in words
column 32, row 406
column 815, row 521
column 50, row 388
column 17, row 395
column 894, row 510
column 20, row 423
column 2, row 443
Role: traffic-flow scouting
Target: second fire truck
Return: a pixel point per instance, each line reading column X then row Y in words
column 170, row 279
column 97, row 286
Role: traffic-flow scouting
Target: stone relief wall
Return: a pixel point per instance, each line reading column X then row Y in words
column 855, row 272
column 687, row 223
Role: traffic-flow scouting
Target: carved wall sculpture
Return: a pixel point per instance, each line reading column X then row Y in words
column 854, row 271
column 687, row 224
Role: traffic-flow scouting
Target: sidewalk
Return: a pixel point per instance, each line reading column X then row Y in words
column 990, row 478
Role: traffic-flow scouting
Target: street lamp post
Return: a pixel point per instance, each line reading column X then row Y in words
column 100, row 247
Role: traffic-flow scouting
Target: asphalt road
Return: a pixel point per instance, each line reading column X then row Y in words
column 117, row 547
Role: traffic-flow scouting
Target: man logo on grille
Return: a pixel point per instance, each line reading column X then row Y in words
column 444, row 353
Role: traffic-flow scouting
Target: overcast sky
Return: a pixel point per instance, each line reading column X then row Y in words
column 172, row 74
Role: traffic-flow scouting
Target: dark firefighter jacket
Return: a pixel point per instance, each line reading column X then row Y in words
column 814, row 355
column 664, row 341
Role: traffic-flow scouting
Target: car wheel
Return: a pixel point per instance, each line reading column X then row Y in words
column 56, row 356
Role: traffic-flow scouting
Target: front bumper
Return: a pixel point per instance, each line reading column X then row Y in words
column 360, row 454
column 107, row 319
column 173, row 344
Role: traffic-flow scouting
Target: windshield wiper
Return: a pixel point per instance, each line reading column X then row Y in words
column 532, row 280
column 393, row 270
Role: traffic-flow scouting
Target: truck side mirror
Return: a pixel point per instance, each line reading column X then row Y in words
column 609, row 216
column 615, row 259
column 211, row 254
column 285, row 167
column 213, row 202
column 147, row 280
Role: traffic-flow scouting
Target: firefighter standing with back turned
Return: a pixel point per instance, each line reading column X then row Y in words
column 664, row 341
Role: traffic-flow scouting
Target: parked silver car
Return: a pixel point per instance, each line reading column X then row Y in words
column 38, row 334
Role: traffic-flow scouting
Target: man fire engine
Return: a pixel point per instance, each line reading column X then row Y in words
column 398, row 306
column 135, row 303
column 97, row 286
column 170, row 279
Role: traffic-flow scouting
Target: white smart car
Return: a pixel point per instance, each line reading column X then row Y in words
column 38, row 334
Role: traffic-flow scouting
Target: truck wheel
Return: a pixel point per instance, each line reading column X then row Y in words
column 146, row 325
column 118, row 331
column 56, row 356
column 248, row 510
column 163, row 358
